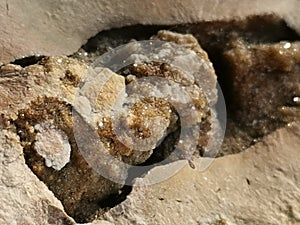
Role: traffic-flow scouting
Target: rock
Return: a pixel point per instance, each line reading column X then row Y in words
column 36, row 103
column 54, row 76
column 101, row 92
column 137, row 124
column 135, row 132
column 40, row 98
column 24, row 199
column 204, row 73
column 62, row 149
column 62, row 27
column 258, row 186
column 80, row 199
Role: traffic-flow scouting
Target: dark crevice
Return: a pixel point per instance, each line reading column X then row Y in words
column 215, row 38
column 27, row 61
column 248, row 181
column 115, row 199
column 158, row 158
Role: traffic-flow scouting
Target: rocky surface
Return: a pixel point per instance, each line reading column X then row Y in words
column 54, row 77
column 43, row 121
column 24, row 199
column 258, row 186
column 232, row 191
column 60, row 27
column 52, row 143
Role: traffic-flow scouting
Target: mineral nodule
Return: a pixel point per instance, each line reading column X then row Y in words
column 45, row 125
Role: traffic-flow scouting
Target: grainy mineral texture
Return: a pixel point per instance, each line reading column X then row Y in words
column 44, row 178
column 265, row 82
column 52, row 145
column 40, row 98
column 264, row 85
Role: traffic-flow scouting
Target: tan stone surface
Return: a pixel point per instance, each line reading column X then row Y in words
column 20, row 85
column 24, row 199
column 60, row 27
column 259, row 186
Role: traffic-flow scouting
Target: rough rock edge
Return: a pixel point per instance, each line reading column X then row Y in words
column 245, row 174
column 62, row 27
column 21, row 191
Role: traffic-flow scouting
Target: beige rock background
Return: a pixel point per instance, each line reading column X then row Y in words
column 60, row 27
column 259, row 186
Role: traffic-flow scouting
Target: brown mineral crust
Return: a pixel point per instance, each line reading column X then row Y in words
column 76, row 185
column 142, row 112
column 110, row 140
column 265, row 79
column 184, row 40
column 23, row 104
column 156, row 69
column 140, row 119
column 66, row 73
column 51, row 110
